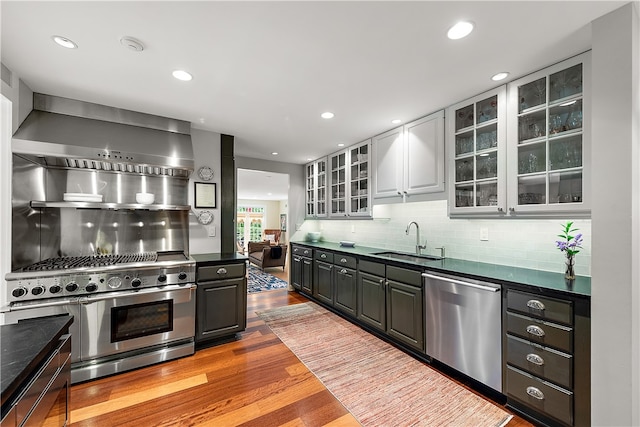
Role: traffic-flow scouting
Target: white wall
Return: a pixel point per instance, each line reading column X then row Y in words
column 514, row 242
column 206, row 150
column 5, row 193
column 615, row 363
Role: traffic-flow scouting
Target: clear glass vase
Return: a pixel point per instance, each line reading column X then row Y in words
column 569, row 272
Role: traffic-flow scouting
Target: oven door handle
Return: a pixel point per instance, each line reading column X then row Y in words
column 127, row 294
column 56, row 303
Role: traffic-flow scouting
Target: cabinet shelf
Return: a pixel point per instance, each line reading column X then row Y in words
column 111, row 206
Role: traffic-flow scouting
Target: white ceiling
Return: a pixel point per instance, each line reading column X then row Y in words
column 260, row 185
column 265, row 71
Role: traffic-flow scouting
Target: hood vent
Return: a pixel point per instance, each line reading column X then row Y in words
column 67, row 133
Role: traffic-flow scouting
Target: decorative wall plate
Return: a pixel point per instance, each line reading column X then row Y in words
column 205, row 173
column 205, row 217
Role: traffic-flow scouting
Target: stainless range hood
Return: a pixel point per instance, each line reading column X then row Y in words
column 67, row 133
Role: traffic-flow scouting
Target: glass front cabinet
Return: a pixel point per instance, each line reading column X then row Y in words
column 349, row 173
column 521, row 150
column 477, row 154
column 316, row 189
column 548, row 151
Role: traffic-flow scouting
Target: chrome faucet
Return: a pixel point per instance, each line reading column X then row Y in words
column 419, row 247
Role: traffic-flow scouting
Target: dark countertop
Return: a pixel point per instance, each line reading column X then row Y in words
column 502, row 274
column 25, row 346
column 215, row 258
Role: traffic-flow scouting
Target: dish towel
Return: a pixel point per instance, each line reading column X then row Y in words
column 276, row 252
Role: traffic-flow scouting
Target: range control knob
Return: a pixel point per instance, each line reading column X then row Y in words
column 114, row 282
column 91, row 287
column 19, row 292
column 136, row 282
column 162, row 278
column 55, row 289
column 38, row 290
column 71, row 287
column 182, row 275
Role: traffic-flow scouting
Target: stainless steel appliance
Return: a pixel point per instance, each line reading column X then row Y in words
column 129, row 310
column 463, row 326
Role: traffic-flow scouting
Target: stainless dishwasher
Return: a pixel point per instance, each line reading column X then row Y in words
column 463, row 326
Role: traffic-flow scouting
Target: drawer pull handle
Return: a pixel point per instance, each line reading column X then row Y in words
column 306, row 252
column 535, row 304
column 343, row 271
column 536, row 393
column 535, row 359
column 222, row 271
column 343, row 260
column 323, row 255
column 535, row 330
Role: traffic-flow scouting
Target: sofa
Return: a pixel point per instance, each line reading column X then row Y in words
column 265, row 255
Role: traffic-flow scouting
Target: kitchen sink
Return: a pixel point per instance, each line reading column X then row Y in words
column 408, row 257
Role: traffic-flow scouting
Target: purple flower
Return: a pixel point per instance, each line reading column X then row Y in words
column 570, row 244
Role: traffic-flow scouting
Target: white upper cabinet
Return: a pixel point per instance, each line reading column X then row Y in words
column 409, row 160
column 524, row 149
column 476, row 153
column 316, row 189
column 548, row 140
column 349, row 174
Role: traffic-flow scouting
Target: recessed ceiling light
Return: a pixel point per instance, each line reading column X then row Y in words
column 275, row 153
column 341, row 145
column 309, row 159
column 65, row 42
column 396, row 121
column 269, row 194
column 499, row 76
column 327, row 115
column 182, row 75
column 460, row 30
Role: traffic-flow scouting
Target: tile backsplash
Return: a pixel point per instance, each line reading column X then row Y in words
column 525, row 243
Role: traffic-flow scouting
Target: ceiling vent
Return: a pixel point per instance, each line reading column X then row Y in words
column 131, row 43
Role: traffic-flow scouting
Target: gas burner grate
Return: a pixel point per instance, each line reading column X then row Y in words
column 64, row 263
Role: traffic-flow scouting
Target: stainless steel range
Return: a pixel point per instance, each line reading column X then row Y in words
column 130, row 310
column 82, row 243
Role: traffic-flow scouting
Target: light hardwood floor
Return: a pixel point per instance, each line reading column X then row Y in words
column 254, row 380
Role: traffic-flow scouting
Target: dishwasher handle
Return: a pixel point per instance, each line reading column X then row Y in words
column 460, row 282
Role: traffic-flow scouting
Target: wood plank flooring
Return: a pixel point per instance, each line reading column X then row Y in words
column 252, row 381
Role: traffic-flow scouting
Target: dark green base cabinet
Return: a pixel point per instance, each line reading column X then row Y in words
column 334, row 280
column 301, row 272
column 221, row 301
column 390, row 300
column 546, row 347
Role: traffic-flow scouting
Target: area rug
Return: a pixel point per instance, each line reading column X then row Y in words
column 259, row 281
column 379, row 384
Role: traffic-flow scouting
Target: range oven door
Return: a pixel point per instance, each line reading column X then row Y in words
column 120, row 322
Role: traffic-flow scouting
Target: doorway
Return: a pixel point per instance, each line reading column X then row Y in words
column 262, row 203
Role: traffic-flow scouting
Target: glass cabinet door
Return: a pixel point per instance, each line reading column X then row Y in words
column 321, row 188
column 359, row 180
column 477, row 127
column 548, row 139
column 338, row 165
column 310, row 190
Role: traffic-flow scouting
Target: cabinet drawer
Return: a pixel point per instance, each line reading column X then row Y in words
column 301, row 250
column 341, row 260
column 372, row 267
column 217, row 272
column 324, row 256
column 545, row 308
column 545, row 333
column 544, row 362
column 410, row 277
column 540, row 395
